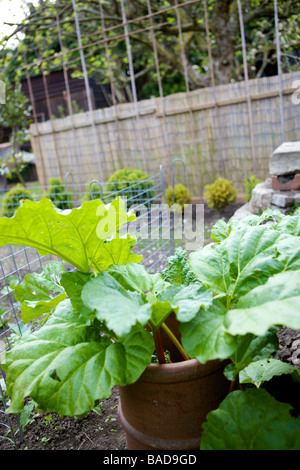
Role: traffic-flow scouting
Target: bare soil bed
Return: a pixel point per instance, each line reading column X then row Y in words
column 48, row 431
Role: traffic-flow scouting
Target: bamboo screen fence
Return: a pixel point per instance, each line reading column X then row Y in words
column 212, row 136
column 229, row 130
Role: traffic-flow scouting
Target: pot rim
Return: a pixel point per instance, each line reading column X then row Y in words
column 180, row 371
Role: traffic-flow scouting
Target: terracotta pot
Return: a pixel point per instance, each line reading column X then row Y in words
column 166, row 407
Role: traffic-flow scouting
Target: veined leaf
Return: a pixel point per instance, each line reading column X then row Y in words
column 275, row 303
column 187, row 300
column 40, row 293
column 67, row 366
column 205, row 336
column 133, row 277
column 251, row 420
column 75, row 236
column 178, row 271
column 120, row 309
column 126, row 295
column 220, row 231
column 251, row 348
column 288, row 247
column 116, row 251
column 264, row 370
column 289, row 224
column 242, row 261
column 73, row 283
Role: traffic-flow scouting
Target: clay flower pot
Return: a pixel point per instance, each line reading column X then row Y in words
column 166, row 407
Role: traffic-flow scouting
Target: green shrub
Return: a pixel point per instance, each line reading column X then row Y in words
column 11, row 200
column 182, row 195
column 132, row 184
column 58, row 195
column 250, row 184
column 92, row 193
column 219, row 194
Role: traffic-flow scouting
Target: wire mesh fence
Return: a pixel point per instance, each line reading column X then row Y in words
column 18, row 261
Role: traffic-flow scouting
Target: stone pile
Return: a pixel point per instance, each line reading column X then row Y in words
column 282, row 190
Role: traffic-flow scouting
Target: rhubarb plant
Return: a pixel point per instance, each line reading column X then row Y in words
column 102, row 322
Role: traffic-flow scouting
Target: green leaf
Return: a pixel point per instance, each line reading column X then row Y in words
column 289, row 224
column 116, row 251
column 178, row 271
column 274, row 303
column 288, row 247
column 75, row 236
column 32, row 310
column 67, row 366
column 187, row 301
column 119, row 309
column 251, row 348
column 37, row 291
column 244, row 260
column 133, row 294
column 251, row 420
column 133, row 277
column 160, row 311
column 73, row 283
column 205, row 336
column 262, row 371
column 220, row 231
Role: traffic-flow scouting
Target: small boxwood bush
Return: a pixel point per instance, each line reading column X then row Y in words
column 58, row 195
column 11, row 200
column 92, row 192
column 182, row 195
column 132, row 184
column 219, row 194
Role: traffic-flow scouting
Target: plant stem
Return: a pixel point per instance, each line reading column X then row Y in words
column 234, row 384
column 175, row 341
column 159, row 346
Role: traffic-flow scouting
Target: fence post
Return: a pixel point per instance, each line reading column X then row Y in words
column 247, row 85
column 133, row 87
column 87, row 88
column 279, row 70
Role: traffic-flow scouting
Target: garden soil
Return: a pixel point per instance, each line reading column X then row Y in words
column 101, row 430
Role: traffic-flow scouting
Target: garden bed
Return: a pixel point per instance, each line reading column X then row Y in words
column 48, row 431
column 102, row 430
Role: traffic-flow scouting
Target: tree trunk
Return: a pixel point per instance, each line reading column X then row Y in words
column 224, row 29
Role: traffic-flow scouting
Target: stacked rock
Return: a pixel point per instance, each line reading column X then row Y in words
column 282, row 190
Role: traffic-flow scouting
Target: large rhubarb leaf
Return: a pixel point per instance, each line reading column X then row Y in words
column 251, row 420
column 76, row 236
column 275, row 303
column 126, row 295
column 242, row 261
column 67, row 366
